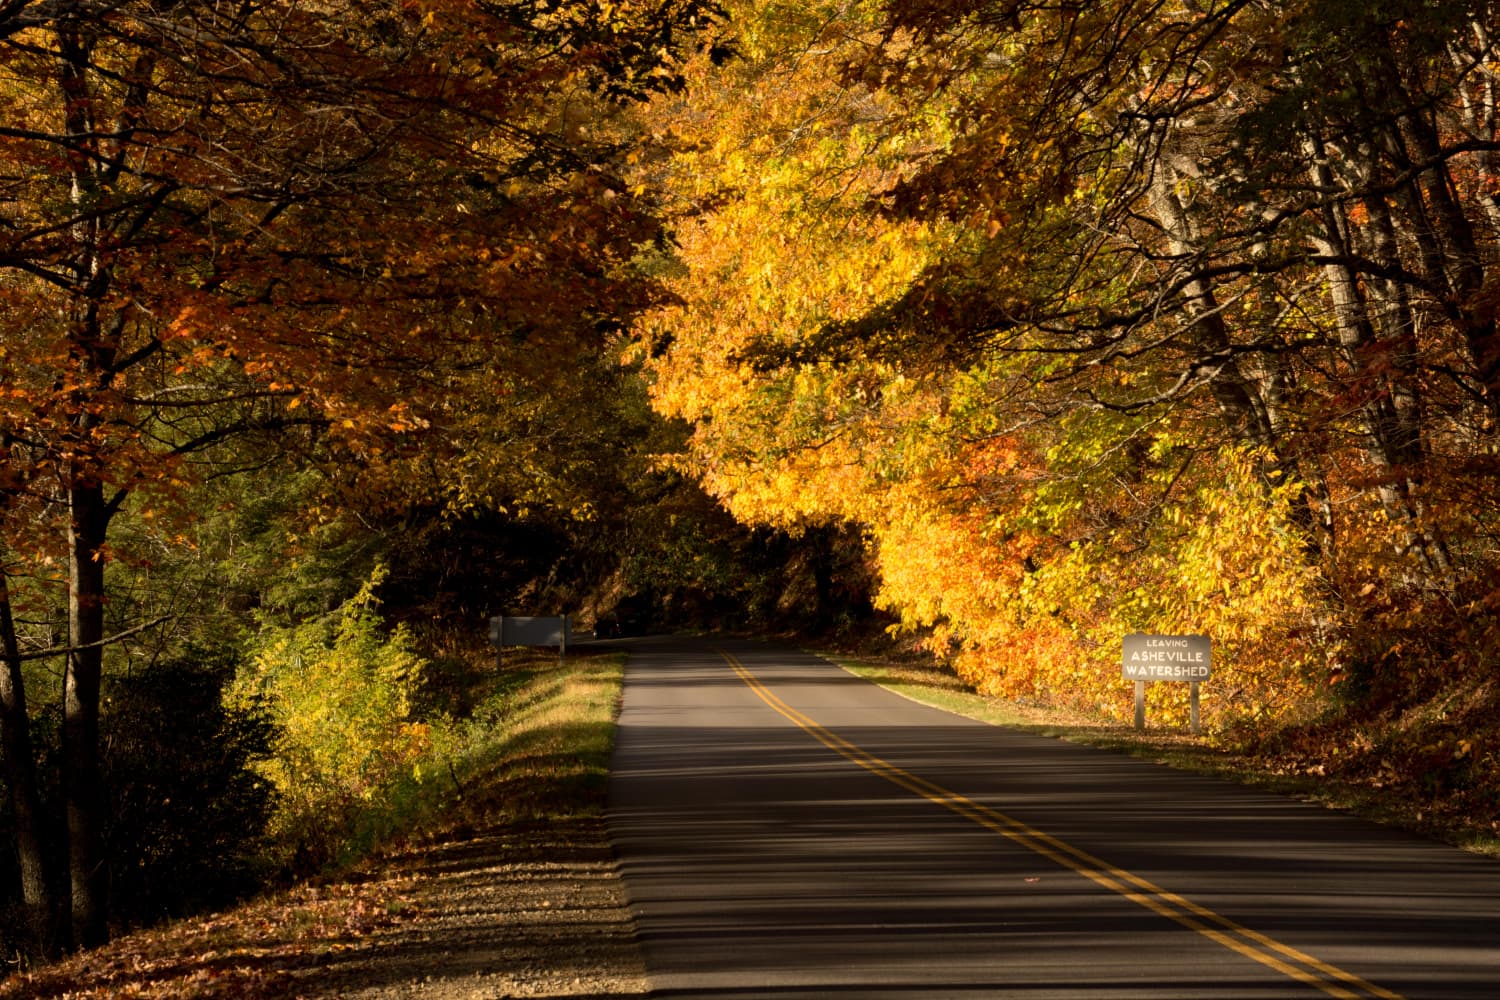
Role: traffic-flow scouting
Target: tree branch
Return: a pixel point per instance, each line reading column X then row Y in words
column 42, row 654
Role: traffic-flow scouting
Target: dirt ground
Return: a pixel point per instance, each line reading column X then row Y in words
column 515, row 911
column 503, row 914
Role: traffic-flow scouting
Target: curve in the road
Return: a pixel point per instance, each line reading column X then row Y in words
column 1262, row 948
column 776, row 822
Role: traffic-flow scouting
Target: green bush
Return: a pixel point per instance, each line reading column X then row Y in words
column 339, row 691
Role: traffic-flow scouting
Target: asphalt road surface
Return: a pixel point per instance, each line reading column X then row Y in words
column 788, row 830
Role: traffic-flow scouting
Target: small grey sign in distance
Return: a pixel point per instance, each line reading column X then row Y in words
column 1166, row 658
column 549, row 631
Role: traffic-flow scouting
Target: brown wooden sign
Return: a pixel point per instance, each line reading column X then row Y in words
column 1166, row 658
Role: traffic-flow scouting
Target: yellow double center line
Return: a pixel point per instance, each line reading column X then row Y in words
column 1221, row 930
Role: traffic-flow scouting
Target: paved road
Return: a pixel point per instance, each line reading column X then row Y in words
column 787, row 830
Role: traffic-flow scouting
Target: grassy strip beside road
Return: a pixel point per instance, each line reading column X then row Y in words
column 515, row 812
column 1301, row 774
column 536, row 747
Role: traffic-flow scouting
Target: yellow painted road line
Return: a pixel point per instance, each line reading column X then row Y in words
column 1285, row 959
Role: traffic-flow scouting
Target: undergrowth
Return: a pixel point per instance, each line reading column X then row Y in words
column 524, row 747
column 379, row 732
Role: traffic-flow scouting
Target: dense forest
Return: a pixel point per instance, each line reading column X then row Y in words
column 334, row 327
column 1162, row 317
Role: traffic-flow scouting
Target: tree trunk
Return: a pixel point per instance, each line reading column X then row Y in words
column 1240, row 406
column 1451, row 256
column 1246, row 405
column 19, row 764
column 1386, row 395
column 82, row 778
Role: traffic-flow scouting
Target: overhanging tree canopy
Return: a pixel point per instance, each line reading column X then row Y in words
column 275, row 215
column 1106, row 317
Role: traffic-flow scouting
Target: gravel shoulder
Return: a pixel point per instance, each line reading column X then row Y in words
column 519, row 910
column 536, row 912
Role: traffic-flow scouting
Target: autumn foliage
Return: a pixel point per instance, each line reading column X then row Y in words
column 233, row 235
column 1110, row 318
column 1068, row 320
